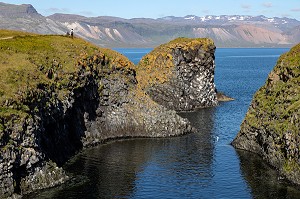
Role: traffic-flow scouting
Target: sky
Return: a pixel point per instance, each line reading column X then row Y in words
column 161, row 8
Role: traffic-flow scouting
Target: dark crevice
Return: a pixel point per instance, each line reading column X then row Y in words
column 62, row 137
column 19, row 172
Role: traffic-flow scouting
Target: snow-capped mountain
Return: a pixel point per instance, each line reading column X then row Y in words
column 226, row 30
column 227, row 19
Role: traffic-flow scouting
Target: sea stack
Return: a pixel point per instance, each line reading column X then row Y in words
column 180, row 74
column 59, row 95
column 271, row 127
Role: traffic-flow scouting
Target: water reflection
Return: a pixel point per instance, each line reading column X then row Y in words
column 192, row 166
column 263, row 180
column 142, row 168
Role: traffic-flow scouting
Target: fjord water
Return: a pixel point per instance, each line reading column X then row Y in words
column 198, row 165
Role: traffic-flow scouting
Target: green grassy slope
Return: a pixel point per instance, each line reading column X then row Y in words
column 30, row 62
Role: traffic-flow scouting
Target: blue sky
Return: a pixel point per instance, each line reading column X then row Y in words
column 161, row 8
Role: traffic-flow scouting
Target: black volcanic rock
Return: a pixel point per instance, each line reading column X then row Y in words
column 271, row 127
column 91, row 96
column 180, row 74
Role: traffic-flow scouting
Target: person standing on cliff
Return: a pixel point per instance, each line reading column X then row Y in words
column 72, row 33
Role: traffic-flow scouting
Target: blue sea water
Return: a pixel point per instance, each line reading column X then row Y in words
column 199, row 165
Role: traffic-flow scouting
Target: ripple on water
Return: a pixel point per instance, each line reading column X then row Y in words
column 199, row 165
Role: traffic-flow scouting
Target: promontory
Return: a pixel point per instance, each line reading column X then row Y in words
column 59, row 95
column 271, row 127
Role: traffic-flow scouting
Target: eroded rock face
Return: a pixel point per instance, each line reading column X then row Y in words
column 272, row 125
column 180, row 74
column 100, row 100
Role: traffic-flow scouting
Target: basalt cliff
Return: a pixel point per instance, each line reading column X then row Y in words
column 272, row 125
column 59, row 95
column 180, row 75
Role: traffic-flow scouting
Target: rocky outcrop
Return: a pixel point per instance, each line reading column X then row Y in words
column 223, row 98
column 180, row 74
column 272, row 125
column 78, row 96
column 10, row 10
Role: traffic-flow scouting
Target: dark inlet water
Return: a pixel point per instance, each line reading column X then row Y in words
column 200, row 165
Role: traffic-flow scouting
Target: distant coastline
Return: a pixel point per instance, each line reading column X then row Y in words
column 227, row 31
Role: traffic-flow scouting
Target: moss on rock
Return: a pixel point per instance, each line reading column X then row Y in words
column 31, row 63
column 271, row 127
column 38, row 74
column 59, row 95
column 156, row 67
column 180, row 74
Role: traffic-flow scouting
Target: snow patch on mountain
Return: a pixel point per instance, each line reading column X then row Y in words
column 190, row 18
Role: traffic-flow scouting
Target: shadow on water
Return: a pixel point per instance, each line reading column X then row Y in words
column 143, row 168
column 199, row 165
column 263, row 180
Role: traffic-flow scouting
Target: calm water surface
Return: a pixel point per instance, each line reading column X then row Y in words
column 199, row 165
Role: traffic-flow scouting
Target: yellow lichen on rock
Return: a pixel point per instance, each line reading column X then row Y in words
column 180, row 74
column 271, row 127
column 157, row 66
column 58, row 95
column 30, row 61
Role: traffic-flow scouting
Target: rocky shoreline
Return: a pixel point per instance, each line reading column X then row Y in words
column 99, row 100
column 271, row 126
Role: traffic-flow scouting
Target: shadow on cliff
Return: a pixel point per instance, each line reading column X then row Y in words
column 63, row 133
column 74, row 96
column 122, row 168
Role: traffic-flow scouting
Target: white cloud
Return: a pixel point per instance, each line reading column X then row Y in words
column 268, row 4
column 295, row 10
column 57, row 10
column 205, row 11
column 246, row 6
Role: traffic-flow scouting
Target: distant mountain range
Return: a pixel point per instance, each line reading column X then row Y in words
column 225, row 30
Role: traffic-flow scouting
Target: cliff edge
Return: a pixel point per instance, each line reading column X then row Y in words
column 59, row 95
column 180, row 74
column 271, row 127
